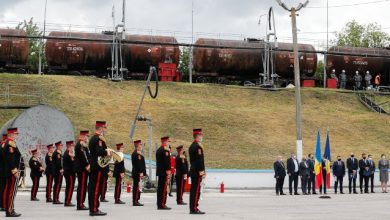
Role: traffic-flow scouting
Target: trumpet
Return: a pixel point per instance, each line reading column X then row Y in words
column 115, row 157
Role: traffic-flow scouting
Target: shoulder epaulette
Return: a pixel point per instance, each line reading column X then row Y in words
column 167, row 148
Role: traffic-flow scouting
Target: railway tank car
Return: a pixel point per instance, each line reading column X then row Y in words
column 246, row 64
column 94, row 57
column 14, row 51
column 353, row 59
column 76, row 55
column 139, row 57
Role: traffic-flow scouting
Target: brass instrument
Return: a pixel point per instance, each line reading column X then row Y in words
column 115, row 157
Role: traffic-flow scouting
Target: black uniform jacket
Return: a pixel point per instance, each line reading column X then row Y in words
column 163, row 161
column 138, row 162
column 196, row 159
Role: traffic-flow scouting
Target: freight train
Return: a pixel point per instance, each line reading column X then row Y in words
column 214, row 60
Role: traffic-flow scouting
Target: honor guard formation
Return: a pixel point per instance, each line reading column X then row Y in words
column 87, row 161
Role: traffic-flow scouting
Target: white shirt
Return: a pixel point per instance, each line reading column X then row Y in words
column 295, row 165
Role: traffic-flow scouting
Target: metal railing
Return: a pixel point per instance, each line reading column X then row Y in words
column 19, row 96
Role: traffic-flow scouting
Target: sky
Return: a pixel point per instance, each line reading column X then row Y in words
column 231, row 19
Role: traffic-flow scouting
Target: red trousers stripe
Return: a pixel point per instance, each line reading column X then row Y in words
column 118, row 187
column 197, row 193
column 5, row 194
column 82, row 196
column 11, row 190
column 49, row 185
column 96, row 195
column 164, row 195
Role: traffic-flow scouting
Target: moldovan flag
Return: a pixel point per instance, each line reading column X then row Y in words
column 318, row 162
column 328, row 159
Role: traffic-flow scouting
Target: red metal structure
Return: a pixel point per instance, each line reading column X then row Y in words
column 13, row 51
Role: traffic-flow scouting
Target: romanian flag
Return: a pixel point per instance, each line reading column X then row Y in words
column 328, row 159
column 318, row 162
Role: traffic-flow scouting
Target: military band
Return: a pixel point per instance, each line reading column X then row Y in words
column 138, row 171
column 35, row 173
column 83, row 160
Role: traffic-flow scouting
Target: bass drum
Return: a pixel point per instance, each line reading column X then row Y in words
column 38, row 127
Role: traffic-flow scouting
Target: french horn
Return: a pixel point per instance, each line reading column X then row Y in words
column 106, row 160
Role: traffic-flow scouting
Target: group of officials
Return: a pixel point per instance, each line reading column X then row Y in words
column 305, row 169
column 80, row 161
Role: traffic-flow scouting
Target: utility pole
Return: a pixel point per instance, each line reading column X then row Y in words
column 190, row 65
column 41, row 42
column 327, row 37
column 298, row 118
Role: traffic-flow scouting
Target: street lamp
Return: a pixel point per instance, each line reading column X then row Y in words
column 298, row 118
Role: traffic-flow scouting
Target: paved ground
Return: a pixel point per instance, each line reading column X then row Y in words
column 230, row 205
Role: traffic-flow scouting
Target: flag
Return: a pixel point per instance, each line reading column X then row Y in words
column 328, row 159
column 318, row 162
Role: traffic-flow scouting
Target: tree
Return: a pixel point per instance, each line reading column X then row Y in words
column 184, row 61
column 358, row 35
column 319, row 74
column 32, row 29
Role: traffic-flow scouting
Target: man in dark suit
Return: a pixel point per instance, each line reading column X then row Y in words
column 372, row 172
column 304, row 173
column 293, row 173
column 338, row 173
column 311, row 187
column 280, row 174
column 364, row 173
column 352, row 165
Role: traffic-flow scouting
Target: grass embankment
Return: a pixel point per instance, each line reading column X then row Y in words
column 244, row 128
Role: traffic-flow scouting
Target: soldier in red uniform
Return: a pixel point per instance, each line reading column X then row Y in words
column 173, row 169
column 197, row 170
column 98, row 148
column 138, row 171
column 11, row 161
column 119, row 174
column 35, row 174
column 2, row 172
column 69, row 174
column 163, row 172
column 82, row 168
column 49, row 172
column 181, row 174
column 58, row 173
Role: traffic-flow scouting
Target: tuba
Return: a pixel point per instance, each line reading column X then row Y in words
column 106, row 160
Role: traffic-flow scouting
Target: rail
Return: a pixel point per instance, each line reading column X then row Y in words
column 19, row 96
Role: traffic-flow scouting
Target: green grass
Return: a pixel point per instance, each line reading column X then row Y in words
column 244, row 128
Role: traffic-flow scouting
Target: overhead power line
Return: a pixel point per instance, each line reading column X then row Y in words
column 351, row 5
